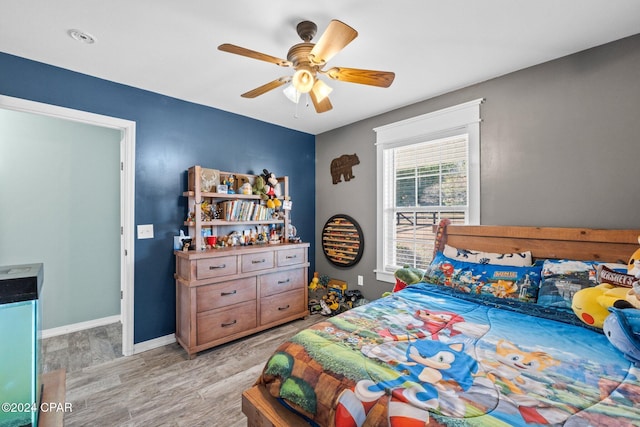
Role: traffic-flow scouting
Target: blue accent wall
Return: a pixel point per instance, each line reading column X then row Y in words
column 171, row 136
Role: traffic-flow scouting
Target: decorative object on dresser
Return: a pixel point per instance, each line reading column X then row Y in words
column 236, row 281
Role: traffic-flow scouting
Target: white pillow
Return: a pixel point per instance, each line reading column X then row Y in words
column 516, row 259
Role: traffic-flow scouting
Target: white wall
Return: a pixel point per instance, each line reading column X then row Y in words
column 60, row 205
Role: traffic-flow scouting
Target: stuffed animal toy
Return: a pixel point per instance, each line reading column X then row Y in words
column 270, row 183
column 617, row 290
column 259, row 189
column 633, row 267
column 622, row 326
column 591, row 304
column 315, row 282
column 624, row 292
column 622, row 329
column 406, row 276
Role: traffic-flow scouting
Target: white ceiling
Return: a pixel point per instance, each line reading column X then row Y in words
column 433, row 46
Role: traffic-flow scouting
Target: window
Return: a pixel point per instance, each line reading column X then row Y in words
column 428, row 170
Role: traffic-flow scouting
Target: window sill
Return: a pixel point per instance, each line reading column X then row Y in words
column 384, row 276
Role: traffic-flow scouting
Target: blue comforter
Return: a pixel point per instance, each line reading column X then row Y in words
column 425, row 355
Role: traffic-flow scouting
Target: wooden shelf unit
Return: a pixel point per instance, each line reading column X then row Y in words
column 196, row 196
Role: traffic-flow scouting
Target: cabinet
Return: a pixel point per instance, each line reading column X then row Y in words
column 197, row 181
column 228, row 293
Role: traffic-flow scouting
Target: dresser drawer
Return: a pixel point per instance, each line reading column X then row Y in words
column 207, row 268
column 279, row 306
column 282, row 281
column 257, row 261
column 291, row 257
column 216, row 324
column 223, row 294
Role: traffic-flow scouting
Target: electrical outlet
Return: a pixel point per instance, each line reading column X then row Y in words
column 145, row 231
column 360, row 280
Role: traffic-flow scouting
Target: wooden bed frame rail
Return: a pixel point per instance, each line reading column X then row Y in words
column 546, row 242
column 262, row 410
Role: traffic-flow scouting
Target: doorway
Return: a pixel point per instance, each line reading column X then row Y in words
column 125, row 138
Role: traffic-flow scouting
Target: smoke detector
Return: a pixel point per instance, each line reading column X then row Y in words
column 81, row 36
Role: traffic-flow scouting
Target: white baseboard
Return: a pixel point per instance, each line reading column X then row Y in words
column 75, row 327
column 154, row 343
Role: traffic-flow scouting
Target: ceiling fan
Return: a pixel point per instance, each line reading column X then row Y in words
column 308, row 60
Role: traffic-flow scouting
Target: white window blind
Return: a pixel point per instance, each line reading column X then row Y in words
column 428, row 170
column 427, row 181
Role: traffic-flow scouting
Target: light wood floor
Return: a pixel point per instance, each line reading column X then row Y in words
column 161, row 387
column 78, row 350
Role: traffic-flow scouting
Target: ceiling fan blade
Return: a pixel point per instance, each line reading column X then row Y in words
column 364, row 77
column 266, row 87
column 322, row 105
column 333, row 40
column 231, row 48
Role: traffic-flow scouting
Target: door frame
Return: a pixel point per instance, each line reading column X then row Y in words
column 127, row 130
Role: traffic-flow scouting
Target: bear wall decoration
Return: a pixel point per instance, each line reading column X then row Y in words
column 343, row 167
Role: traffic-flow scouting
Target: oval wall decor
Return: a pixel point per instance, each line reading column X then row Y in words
column 342, row 241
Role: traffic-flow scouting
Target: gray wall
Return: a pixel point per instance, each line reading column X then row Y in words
column 60, row 205
column 559, row 147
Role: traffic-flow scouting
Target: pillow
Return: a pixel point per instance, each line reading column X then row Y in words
column 562, row 278
column 518, row 259
column 502, row 281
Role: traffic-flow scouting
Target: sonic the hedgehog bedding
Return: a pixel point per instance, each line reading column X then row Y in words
column 424, row 356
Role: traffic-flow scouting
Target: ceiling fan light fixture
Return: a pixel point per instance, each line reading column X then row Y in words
column 321, row 89
column 303, row 80
column 291, row 93
column 308, row 60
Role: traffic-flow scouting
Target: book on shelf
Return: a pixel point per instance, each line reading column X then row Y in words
column 243, row 210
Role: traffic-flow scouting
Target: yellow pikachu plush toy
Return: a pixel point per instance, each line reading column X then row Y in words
column 591, row 305
column 619, row 290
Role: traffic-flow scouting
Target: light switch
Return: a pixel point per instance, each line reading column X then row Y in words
column 145, row 231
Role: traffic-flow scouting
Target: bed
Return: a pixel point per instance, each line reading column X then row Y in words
column 438, row 356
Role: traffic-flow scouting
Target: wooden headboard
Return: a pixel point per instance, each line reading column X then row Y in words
column 546, row 242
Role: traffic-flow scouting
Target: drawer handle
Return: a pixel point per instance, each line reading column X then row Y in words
column 224, row 325
column 224, row 294
column 256, row 261
column 291, row 256
column 283, row 308
column 213, row 267
column 282, row 282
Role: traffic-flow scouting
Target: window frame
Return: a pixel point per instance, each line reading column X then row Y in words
column 444, row 123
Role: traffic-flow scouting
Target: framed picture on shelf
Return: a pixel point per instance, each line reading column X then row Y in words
column 209, row 179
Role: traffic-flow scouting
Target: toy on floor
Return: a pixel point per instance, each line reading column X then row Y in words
column 353, row 297
column 317, row 289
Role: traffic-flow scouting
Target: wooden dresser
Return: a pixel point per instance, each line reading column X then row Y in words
column 228, row 293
